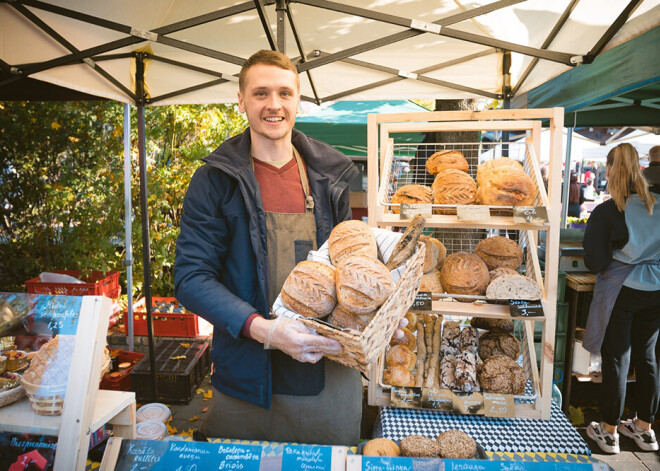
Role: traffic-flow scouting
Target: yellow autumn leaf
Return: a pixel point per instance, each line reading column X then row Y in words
column 208, row 394
column 171, row 429
column 55, row 125
column 200, row 391
column 188, row 433
column 205, row 409
column 185, row 345
column 193, row 418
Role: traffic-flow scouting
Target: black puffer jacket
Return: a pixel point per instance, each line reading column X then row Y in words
column 221, row 268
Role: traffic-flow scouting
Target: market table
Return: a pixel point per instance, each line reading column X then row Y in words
column 556, row 435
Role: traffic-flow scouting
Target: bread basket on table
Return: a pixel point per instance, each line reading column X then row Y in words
column 360, row 349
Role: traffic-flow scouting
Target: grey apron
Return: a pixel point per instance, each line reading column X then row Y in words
column 311, row 403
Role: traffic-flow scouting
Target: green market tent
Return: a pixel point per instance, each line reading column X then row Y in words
column 343, row 124
column 620, row 88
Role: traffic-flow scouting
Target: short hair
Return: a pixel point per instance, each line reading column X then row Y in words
column 654, row 154
column 266, row 57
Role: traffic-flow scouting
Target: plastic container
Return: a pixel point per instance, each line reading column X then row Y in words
column 154, row 411
column 151, row 430
column 120, row 380
column 98, row 283
column 180, row 323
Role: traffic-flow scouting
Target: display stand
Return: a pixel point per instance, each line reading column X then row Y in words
column 85, row 407
column 380, row 189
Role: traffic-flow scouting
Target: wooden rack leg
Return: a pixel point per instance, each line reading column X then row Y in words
column 123, row 424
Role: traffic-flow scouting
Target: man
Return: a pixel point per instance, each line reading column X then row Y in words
column 262, row 201
column 652, row 172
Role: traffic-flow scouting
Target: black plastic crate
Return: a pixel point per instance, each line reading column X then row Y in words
column 176, row 379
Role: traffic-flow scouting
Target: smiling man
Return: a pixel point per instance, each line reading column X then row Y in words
column 262, row 200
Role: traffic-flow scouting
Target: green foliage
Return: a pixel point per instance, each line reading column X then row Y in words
column 61, row 185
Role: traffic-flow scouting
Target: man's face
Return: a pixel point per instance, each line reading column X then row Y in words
column 270, row 101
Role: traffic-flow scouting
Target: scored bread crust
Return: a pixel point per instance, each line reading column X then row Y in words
column 499, row 251
column 346, row 320
column 464, row 273
column 363, row 284
column 453, row 186
column 411, row 194
column 431, row 282
column 501, row 271
column 514, row 287
column 505, row 186
column 445, row 159
column 351, row 238
column 495, row 164
column 310, row 289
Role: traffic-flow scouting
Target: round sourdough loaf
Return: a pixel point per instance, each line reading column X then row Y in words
column 498, row 251
column 497, row 272
column 351, row 238
column 411, row 194
column 505, row 186
column 310, row 289
column 363, row 284
column 453, row 186
column 344, row 319
column 495, row 342
column 445, row 159
column 464, row 273
column 495, row 164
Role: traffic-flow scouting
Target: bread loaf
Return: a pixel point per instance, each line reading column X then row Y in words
column 498, row 251
column 445, row 159
column 453, row 186
column 505, row 185
column 408, row 339
column 497, row 272
column 464, row 273
column 381, row 447
column 418, row 446
column 465, row 375
column 514, row 287
column 500, row 374
column 411, row 194
column 469, row 339
column 451, row 338
column 400, row 355
column 310, row 290
column 398, row 376
column 431, row 282
column 351, row 238
column 498, row 343
column 494, row 165
column 456, row 444
column 442, row 252
column 406, row 245
column 447, row 371
column 431, row 254
column 504, row 325
column 412, row 321
column 344, row 319
column 363, row 284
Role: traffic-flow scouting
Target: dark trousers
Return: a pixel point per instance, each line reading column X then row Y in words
column 631, row 332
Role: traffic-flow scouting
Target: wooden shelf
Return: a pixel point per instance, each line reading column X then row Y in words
column 451, row 221
column 20, row 418
column 455, row 308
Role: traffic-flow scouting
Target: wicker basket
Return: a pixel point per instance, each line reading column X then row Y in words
column 13, row 395
column 45, row 400
column 362, row 349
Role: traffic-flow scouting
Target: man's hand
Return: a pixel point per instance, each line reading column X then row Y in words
column 293, row 338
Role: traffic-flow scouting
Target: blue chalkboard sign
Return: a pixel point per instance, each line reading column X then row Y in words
column 307, row 458
column 381, row 463
column 40, row 314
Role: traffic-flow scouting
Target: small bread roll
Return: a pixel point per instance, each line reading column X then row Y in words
column 456, row 444
column 412, row 321
column 417, row 446
column 453, row 186
column 310, row 289
column 351, row 238
column 381, row 447
column 398, row 376
column 442, row 252
column 499, row 252
column 431, row 282
column 344, row 319
column 430, row 255
column 497, row 272
column 445, row 159
column 363, row 284
column 400, row 355
column 411, row 194
column 408, row 339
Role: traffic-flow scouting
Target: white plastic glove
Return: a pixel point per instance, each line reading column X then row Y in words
column 398, row 333
column 299, row 342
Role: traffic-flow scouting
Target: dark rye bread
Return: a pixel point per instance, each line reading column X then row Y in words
column 363, row 284
column 464, row 273
column 500, row 374
column 351, row 238
column 310, row 289
column 499, row 252
column 495, row 342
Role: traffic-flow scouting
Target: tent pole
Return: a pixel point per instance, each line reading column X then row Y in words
column 146, row 246
column 567, row 178
column 128, row 224
column 280, row 7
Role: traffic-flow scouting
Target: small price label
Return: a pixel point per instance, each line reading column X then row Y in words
column 499, row 405
column 469, row 403
column 408, row 211
column 520, row 308
column 438, row 399
column 530, row 215
column 469, row 212
column 423, row 301
column 406, row 397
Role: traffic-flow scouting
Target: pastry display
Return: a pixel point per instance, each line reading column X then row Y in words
column 3, row 363
column 9, row 380
column 398, row 375
column 464, row 273
column 16, row 359
column 411, row 194
column 453, row 187
column 514, row 287
column 456, row 444
column 498, row 343
column 381, row 447
column 487, row 323
column 445, row 159
column 500, row 374
column 431, row 282
column 417, row 446
column 363, row 284
column 400, row 355
column 499, row 252
column 351, row 238
column 7, row 343
column 310, row 289
column 52, row 362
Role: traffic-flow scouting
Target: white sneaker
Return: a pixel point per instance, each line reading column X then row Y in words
column 607, row 442
column 644, row 439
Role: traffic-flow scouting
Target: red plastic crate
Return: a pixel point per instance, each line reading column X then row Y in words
column 166, row 324
column 98, row 283
column 123, row 381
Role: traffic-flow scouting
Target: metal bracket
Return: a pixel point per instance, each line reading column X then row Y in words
column 128, row 262
column 425, row 26
column 404, row 74
column 577, row 60
column 89, row 62
column 144, row 34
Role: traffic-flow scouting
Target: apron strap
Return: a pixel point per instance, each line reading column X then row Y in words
column 309, row 201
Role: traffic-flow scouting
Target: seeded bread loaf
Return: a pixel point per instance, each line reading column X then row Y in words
column 351, row 238
column 498, row 251
column 453, row 186
column 514, row 287
column 456, row 444
column 310, row 289
column 411, row 194
column 498, row 343
column 504, row 325
column 464, row 273
column 445, row 159
column 363, row 284
column 500, row 374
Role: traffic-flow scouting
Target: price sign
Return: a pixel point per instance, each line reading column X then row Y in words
column 52, row 315
column 469, row 212
column 438, row 399
column 406, row 397
column 521, row 308
column 384, row 463
column 469, row 403
column 423, row 301
column 499, row 405
column 307, row 458
column 408, row 211
column 530, row 215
